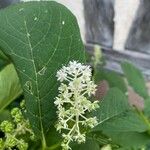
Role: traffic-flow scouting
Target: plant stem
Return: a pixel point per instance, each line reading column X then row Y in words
column 43, row 143
column 144, row 118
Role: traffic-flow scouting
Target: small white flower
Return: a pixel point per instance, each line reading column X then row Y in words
column 87, row 74
column 91, row 88
column 62, row 113
column 92, row 122
column 74, row 66
column 94, row 105
column 61, row 75
column 67, row 137
column 63, row 87
column 81, row 138
column 58, row 126
column 58, row 102
column 65, row 146
column 72, row 102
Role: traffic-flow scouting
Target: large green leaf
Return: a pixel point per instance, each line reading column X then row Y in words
column 39, row 37
column 125, row 122
column 113, row 104
column 135, row 79
column 10, row 87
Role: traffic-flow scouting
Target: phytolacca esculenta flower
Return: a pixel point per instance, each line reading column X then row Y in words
column 73, row 103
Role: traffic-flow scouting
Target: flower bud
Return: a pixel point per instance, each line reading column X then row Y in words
column 22, row 104
column 11, row 142
column 22, row 145
column 7, row 126
column 17, row 115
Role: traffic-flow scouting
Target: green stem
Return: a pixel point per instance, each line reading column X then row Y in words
column 144, row 118
column 44, row 146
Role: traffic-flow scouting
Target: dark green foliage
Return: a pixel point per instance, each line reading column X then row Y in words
column 39, row 37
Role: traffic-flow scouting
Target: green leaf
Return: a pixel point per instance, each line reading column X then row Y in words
column 44, row 36
column 135, row 79
column 125, row 122
column 114, row 79
column 10, row 87
column 113, row 104
column 129, row 140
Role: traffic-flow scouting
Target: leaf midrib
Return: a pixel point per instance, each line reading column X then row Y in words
column 35, row 71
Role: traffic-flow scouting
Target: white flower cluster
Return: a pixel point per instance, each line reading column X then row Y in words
column 72, row 102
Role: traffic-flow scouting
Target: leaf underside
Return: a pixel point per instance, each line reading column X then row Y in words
column 39, row 37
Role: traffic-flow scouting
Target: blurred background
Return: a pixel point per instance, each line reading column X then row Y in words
column 120, row 27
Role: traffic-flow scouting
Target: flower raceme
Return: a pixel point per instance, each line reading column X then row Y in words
column 14, row 130
column 73, row 103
